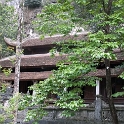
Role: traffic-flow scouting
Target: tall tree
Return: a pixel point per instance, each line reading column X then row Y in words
column 8, row 28
column 105, row 21
column 18, row 56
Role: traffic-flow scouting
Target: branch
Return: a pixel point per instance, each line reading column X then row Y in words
column 109, row 6
column 103, row 4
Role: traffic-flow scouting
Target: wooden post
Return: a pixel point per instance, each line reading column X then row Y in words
column 97, row 88
column 98, row 104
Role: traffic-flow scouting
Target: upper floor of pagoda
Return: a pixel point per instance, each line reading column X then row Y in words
column 37, row 45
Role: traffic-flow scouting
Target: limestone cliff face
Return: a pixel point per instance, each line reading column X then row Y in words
column 29, row 16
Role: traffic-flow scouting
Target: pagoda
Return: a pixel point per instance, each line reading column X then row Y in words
column 37, row 65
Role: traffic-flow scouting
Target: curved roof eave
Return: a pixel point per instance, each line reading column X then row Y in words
column 10, row 42
column 28, row 76
column 33, row 60
column 36, row 41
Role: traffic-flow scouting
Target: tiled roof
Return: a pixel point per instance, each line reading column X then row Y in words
column 25, row 76
column 102, row 72
column 29, row 42
column 119, row 55
column 43, row 60
column 33, row 60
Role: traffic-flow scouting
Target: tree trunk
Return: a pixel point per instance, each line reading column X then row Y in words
column 113, row 112
column 109, row 92
column 18, row 60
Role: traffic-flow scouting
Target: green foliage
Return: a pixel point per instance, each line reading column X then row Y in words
column 35, row 103
column 32, row 3
column 122, row 92
column 3, row 87
column 7, row 72
column 105, row 21
column 118, row 94
column 60, row 23
column 9, row 109
column 13, row 102
column 8, row 27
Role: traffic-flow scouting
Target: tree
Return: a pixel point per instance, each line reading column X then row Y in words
column 105, row 20
column 8, row 27
column 18, row 57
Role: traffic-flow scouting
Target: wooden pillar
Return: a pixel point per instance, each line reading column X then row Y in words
column 97, row 88
column 34, row 82
column 98, row 104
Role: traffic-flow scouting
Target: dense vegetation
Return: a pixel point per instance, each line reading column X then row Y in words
column 8, row 27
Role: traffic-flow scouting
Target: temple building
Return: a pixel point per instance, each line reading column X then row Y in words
column 37, row 64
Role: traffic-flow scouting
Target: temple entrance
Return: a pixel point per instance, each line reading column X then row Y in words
column 24, row 87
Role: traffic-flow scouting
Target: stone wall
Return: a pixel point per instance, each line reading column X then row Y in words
column 4, row 98
column 71, row 122
column 96, row 113
column 85, row 115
